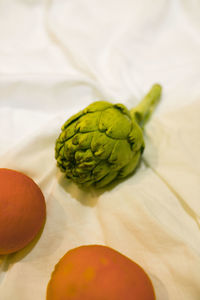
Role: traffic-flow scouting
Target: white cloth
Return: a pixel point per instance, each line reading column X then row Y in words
column 56, row 57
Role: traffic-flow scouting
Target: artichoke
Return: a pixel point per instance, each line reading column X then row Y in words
column 104, row 141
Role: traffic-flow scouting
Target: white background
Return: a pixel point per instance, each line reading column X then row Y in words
column 58, row 56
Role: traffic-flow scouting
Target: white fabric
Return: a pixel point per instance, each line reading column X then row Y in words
column 58, row 56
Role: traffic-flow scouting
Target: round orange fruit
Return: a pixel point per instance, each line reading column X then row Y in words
column 98, row 272
column 22, row 210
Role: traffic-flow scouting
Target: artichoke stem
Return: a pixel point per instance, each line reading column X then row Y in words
column 142, row 112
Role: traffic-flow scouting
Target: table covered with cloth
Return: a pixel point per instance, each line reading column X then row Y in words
column 56, row 57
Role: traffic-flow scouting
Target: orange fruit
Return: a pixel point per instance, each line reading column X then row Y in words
column 97, row 272
column 22, row 210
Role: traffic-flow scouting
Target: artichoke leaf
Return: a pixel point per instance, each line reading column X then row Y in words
column 70, row 149
column 83, row 140
column 116, row 124
column 121, row 154
column 135, row 137
column 102, row 145
column 130, row 167
column 123, row 109
column 58, row 147
column 106, row 179
column 72, row 119
column 88, row 122
column 84, row 156
column 97, row 106
column 100, row 171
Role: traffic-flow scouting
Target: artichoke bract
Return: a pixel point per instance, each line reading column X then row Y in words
column 104, row 141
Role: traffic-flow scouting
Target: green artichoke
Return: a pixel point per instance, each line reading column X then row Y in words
column 104, row 141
